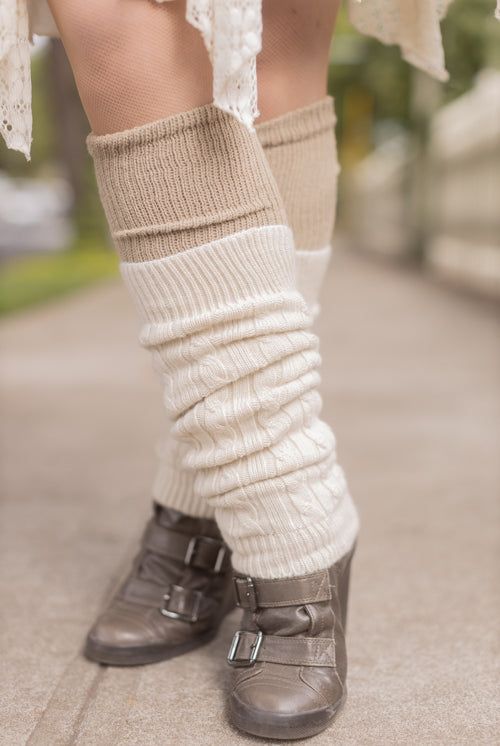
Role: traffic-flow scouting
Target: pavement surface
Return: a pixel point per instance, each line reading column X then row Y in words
column 411, row 386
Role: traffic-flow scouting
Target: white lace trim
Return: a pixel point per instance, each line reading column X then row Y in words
column 15, row 76
column 414, row 25
column 232, row 31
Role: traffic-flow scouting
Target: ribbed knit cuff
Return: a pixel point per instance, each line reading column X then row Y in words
column 183, row 181
column 297, row 125
column 182, row 292
column 301, row 150
column 119, row 143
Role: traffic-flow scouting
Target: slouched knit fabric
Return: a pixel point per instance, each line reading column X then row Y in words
column 230, row 338
column 173, row 484
column 239, row 366
column 300, row 148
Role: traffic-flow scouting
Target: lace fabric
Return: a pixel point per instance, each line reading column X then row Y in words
column 15, row 76
column 414, row 25
column 231, row 30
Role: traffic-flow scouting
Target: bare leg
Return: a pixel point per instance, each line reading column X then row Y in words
column 134, row 61
column 190, row 188
column 292, row 67
column 137, row 61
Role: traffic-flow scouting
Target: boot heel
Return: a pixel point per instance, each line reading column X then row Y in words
column 344, row 587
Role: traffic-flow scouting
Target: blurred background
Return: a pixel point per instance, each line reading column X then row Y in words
column 420, row 163
column 411, row 362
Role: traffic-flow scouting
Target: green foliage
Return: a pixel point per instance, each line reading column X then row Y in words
column 379, row 76
column 364, row 69
column 471, row 38
column 31, row 280
column 89, row 219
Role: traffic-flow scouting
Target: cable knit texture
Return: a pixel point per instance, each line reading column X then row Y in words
column 174, row 485
column 240, row 373
column 230, row 338
column 301, row 150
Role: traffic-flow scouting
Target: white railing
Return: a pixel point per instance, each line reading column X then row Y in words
column 463, row 206
column 448, row 196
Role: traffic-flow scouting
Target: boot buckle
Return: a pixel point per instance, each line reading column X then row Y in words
column 187, row 600
column 214, row 544
column 246, row 597
column 254, row 649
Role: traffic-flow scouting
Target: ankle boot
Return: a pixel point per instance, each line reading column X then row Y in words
column 173, row 599
column 289, row 659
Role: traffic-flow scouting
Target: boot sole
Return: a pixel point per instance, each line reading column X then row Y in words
column 278, row 726
column 113, row 655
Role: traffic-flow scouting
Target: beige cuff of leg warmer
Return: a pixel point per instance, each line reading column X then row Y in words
column 182, row 182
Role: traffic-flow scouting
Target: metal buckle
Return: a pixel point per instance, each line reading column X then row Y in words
column 250, row 594
column 255, row 647
column 191, row 617
column 191, row 551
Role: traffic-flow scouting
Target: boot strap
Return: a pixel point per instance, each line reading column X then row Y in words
column 248, row 648
column 173, row 601
column 261, row 593
column 200, row 552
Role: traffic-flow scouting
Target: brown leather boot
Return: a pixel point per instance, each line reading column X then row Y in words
column 174, row 598
column 289, row 659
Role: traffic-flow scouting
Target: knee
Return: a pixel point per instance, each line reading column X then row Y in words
column 292, row 66
column 85, row 28
column 93, row 34
column 133, row 60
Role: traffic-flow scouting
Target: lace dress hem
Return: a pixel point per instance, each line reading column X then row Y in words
column 231, row 31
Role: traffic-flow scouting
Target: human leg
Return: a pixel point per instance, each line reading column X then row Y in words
column 271, row 697
column 230, row 335
column 297, row 128
column 125, row 55
column 300, row 148
column 122, row 54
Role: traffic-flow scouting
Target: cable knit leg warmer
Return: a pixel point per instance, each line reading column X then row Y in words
column 301, row 150
column 229, row 333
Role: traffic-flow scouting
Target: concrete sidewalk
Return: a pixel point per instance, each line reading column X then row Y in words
column 412, row 389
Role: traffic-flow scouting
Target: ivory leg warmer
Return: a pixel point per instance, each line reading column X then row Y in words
column 301, row 150
column 229, row 336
